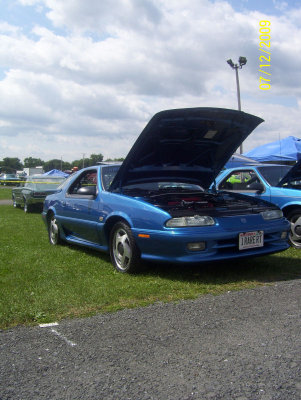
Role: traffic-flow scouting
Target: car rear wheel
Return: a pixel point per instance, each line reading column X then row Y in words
column 14, row 201
column 125, row 255
column 53, row 231
column 295, row 233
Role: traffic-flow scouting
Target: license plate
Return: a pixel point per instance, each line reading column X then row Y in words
column 249, row 240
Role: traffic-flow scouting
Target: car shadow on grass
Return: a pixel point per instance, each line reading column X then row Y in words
column 267, row 269
column 32, row 210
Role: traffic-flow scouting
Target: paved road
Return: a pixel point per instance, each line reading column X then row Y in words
column 239, row 345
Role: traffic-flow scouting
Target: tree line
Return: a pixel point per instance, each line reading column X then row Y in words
column 12, row 164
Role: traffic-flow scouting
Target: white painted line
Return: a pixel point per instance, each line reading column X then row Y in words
column 60, row 335
column 69, row 342
column 48, row 325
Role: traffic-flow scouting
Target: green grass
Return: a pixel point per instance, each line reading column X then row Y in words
column 5, row 193
column 42, row 283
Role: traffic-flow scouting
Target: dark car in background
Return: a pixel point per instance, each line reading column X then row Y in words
column 9, row 180
column 33, row 190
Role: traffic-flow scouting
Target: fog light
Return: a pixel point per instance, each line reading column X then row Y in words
column 284, row 235
column 197, row 246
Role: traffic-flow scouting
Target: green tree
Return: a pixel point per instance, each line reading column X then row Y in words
column 31, row 162
column 115, row 159
column 53, row 164
column 87, row 162
column 66, row 165
column 95, row 158
column 11, row 163
column 79, row 163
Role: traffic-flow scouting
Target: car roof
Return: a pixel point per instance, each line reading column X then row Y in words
column 256, row 165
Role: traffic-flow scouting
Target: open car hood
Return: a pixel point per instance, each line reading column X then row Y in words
column 185, row 145
column 294, row 174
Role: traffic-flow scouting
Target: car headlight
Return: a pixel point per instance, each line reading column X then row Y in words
column 272, row 214
column 196, row 220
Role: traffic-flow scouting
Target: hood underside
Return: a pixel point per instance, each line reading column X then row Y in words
column 188, row 145
column 293, row 174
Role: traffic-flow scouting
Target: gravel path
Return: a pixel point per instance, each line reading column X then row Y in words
column 5, row 202
column 239, row 345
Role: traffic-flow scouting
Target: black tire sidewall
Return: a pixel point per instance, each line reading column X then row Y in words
column 290, row 216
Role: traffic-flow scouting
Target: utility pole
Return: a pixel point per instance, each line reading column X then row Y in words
column 241, row 61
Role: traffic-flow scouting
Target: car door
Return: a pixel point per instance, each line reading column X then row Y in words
column 79, row 213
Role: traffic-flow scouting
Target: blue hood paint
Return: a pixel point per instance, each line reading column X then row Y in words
column 190, row 144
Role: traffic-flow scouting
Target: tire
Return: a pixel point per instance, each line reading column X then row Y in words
column 124, row 253
column 294, row 218
column 53, row 231
column 15, row 205
column 27, row 207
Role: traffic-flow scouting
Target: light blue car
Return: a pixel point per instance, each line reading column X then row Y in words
column 279, row 184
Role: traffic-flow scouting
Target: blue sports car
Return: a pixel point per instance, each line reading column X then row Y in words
column 157, row 204
column 279, row 184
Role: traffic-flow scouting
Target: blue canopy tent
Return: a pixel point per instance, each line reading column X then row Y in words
column 287, row 149
column 56, row 172
column 237, row 160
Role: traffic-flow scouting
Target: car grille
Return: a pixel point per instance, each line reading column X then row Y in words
column 40, row 194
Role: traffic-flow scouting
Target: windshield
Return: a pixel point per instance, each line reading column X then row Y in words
column 65, row 181
column 43, row 183
column 274, row 174
column 108, row 174
column 162, row 187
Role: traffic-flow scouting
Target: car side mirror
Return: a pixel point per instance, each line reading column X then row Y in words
column 87, row 191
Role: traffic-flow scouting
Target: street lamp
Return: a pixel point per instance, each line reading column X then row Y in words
column 241, row 62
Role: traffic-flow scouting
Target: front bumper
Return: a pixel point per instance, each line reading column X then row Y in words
column 172, row 245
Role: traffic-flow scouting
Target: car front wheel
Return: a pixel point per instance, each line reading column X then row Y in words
column 53, row 231
column 27, row 207
column 125, row 255
column 295, row 233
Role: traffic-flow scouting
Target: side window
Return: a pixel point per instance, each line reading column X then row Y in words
column 85, row 184
column 240, row 180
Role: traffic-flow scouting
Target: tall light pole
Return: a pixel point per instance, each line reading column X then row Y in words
column 241, row 61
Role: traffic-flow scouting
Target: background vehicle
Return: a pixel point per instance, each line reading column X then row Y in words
column 33, row 191
column 279, row 184
column 157, row 205
column 9, row 180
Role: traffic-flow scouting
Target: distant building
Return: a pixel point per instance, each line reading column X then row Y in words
column 33, row 171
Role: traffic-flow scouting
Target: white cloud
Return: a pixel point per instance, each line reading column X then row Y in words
column 280, row 5
column 95, row 86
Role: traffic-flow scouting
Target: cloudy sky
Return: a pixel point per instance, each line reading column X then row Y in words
column 85, row 76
